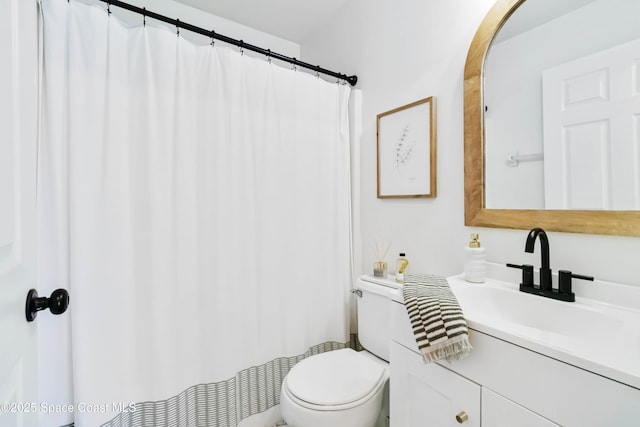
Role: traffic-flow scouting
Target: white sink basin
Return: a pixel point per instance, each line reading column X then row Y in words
column 537, row 314
column 602, row 338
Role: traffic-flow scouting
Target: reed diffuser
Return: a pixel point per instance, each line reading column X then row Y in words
column 380, row 265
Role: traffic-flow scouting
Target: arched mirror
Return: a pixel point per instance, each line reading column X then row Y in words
column 552, row 117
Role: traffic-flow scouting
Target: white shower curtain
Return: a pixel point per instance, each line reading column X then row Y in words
column 195, row 202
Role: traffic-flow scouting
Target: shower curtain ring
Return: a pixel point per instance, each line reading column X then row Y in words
column 144, row 16
column 294, row 67
column 317, row 71
column 178, row 27
column 213, row 37
column 108, row 8
column 269, row 56
column 241, row 47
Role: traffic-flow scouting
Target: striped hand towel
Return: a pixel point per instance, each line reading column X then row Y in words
column 436, row 318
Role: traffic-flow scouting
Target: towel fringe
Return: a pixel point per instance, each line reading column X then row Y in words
column 451, row 350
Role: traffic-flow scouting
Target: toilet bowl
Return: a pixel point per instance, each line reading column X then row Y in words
column 345, row 388
column 341, row 388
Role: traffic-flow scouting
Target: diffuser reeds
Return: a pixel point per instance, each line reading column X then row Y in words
column 380, row 263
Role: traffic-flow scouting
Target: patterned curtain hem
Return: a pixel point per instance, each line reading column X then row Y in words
column 223, row 403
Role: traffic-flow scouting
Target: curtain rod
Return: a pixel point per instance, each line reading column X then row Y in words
column 352, row 80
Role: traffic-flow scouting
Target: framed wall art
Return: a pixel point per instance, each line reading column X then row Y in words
column 406, row 151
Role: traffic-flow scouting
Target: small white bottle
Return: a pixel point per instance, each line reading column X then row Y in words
column 402, row 267
column 475, row 269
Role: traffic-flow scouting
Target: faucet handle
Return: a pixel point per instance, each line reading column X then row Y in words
column 527, row 273
column 564, row 280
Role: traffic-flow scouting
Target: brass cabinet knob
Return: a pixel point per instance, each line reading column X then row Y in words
column 462, row 417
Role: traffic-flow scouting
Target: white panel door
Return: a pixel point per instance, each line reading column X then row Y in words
column 591, row 113
column 429, row 395
column 18, row 134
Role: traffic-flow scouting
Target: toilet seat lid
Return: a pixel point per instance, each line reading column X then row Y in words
column 334, row 378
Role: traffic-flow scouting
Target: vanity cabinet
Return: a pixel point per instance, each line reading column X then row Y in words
column 429, row 395
column 500, row 384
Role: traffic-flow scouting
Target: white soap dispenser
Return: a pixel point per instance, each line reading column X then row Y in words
column 475, row 268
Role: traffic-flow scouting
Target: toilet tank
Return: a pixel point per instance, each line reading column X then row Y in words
column 374, row 314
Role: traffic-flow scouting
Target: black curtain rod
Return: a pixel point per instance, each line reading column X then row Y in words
column 240, row 43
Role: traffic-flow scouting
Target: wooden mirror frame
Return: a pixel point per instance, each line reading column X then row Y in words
column 622, row 223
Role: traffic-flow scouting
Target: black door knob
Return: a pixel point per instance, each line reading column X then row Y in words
column 57, row 303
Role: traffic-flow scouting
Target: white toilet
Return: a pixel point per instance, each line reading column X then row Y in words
column 345, row 388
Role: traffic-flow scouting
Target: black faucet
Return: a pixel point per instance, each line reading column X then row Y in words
column 545, row 271
column 545, row 289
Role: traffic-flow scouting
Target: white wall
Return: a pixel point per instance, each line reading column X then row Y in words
column 406, row 50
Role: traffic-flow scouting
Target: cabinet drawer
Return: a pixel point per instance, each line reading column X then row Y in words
column 498, row 411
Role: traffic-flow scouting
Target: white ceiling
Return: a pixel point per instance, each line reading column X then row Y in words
column 293, row 20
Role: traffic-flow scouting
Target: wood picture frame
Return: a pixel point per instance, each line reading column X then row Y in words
column 406, row 151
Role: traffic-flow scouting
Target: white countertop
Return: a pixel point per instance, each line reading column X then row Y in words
column 600, row 337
